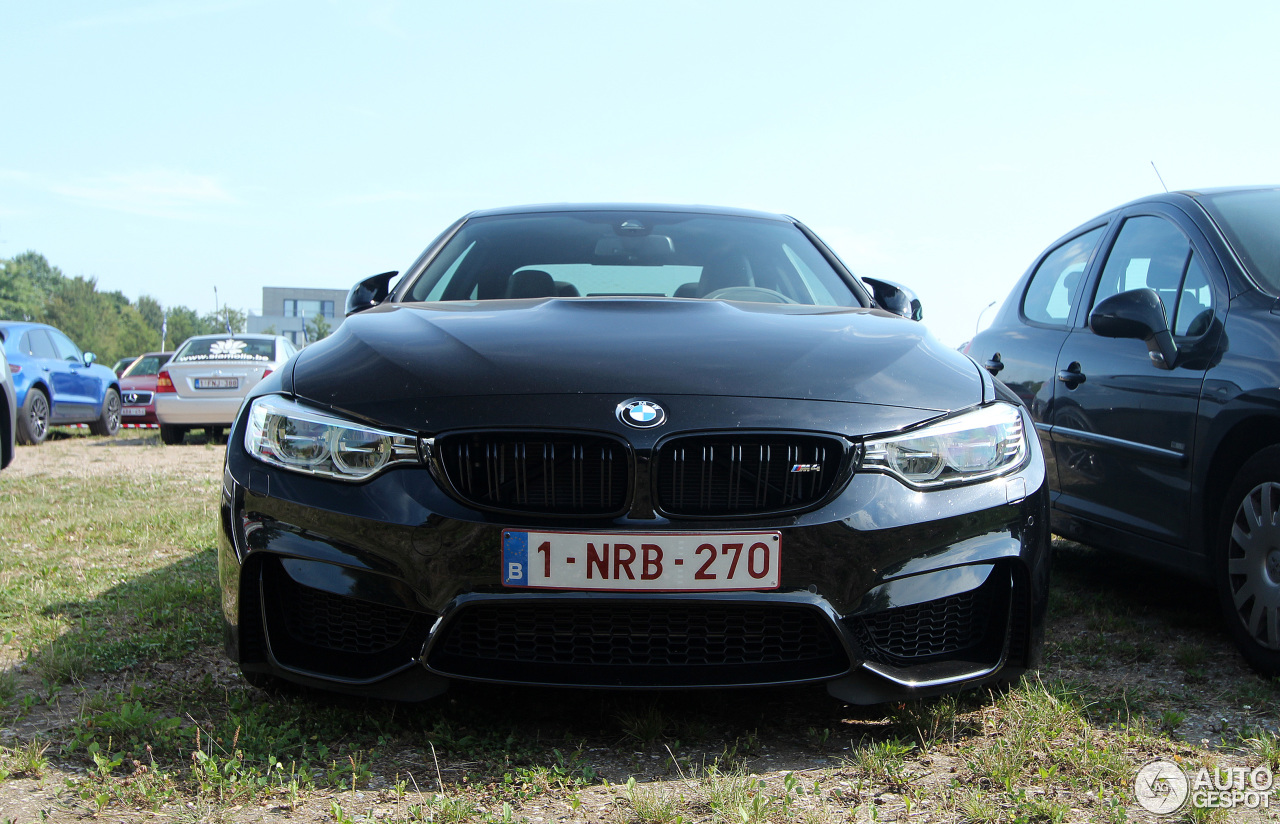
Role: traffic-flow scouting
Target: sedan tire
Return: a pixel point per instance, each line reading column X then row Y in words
column 109, row 423
column 172, row 435
column 33, row 418
column 1247, row 560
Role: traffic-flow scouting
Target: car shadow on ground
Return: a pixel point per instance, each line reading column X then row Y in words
column 1126, row 585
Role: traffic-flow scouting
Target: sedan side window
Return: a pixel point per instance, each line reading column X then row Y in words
column 1051, row 294
column 1195, row 303
column 1152, row 252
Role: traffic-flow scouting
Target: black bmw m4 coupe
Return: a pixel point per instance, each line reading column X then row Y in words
column 642, row 447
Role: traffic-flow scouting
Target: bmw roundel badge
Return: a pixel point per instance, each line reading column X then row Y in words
column 641, row 414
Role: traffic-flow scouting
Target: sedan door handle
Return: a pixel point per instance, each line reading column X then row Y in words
column 994, row 365
column 1071, row 376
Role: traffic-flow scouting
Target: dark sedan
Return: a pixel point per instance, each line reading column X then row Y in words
column 637, row 447
column 1146, row 343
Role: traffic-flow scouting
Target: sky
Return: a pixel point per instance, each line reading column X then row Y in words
column 165, row 148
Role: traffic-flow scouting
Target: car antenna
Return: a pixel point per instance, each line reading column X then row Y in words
column 1157, row 171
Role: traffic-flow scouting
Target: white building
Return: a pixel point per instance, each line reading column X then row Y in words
column 286, row 309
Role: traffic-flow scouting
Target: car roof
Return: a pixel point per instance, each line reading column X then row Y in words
column 538, row 208
column 235, row 335
column 7, row 326
column 1180, row 195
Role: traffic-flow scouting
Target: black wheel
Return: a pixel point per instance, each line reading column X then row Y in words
column 109, row 423
column 1247, row 560
column 172, row 435
column 33, row 418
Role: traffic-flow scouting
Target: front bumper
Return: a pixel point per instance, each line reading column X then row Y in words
column 137, row 414
column 392, row 588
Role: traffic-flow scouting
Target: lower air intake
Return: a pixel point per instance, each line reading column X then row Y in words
column 333, row 635
column 637, row 645
column 952, row 627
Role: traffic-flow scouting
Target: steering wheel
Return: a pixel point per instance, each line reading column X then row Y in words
column 750, row 294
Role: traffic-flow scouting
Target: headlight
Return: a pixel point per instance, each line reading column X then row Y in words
column 289, row 435
column 969, row 447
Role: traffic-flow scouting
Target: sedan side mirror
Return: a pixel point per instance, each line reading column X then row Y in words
column 895, row 298
column 1138, row 313
column 89, row 358
column 369, row 292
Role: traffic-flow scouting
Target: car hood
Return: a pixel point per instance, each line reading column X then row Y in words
column 409, row 352
column 147, row 382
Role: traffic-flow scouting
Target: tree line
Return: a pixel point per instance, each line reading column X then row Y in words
column 105, row 323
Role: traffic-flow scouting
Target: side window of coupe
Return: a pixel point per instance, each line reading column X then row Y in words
column 1051, row 294
column 1151, row 252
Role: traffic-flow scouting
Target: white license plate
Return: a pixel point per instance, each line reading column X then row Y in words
column 133, row 410
column 217, row 383
column 665, row 561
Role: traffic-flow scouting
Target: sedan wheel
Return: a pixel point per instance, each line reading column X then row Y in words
column 172, row 435
column 33, row 422
column 1248, row 561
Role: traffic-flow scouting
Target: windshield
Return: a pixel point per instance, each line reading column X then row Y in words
column 631, row 254
column 233, row 349
column 1250, row 220
column 145, row 366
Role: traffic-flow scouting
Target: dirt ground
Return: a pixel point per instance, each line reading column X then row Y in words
column 131, row 452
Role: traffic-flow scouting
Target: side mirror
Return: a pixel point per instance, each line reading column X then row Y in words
column 89, row 358
column 1138, row 313
column 895, row 298
column 369, row 292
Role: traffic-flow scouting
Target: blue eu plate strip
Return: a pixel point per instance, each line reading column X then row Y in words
column 515, row 559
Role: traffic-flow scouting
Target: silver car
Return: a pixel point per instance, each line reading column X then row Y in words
column 205, row 382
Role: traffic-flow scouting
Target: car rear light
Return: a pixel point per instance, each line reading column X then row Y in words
column 266, row 372
column 164, row 383
column 15, row 368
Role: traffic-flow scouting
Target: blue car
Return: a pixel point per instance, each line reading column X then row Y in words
column 55, row 383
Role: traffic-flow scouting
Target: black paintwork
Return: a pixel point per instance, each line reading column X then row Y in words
column 382, row 364
column 1140, row 453
column 403, row 544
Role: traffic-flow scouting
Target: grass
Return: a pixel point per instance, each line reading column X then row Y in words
column 112, row 684
column 96, row 577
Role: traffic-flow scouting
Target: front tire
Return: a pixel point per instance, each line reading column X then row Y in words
column 109, row 423
column 172, row 435
column 1247, row 560
column 33, row 418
